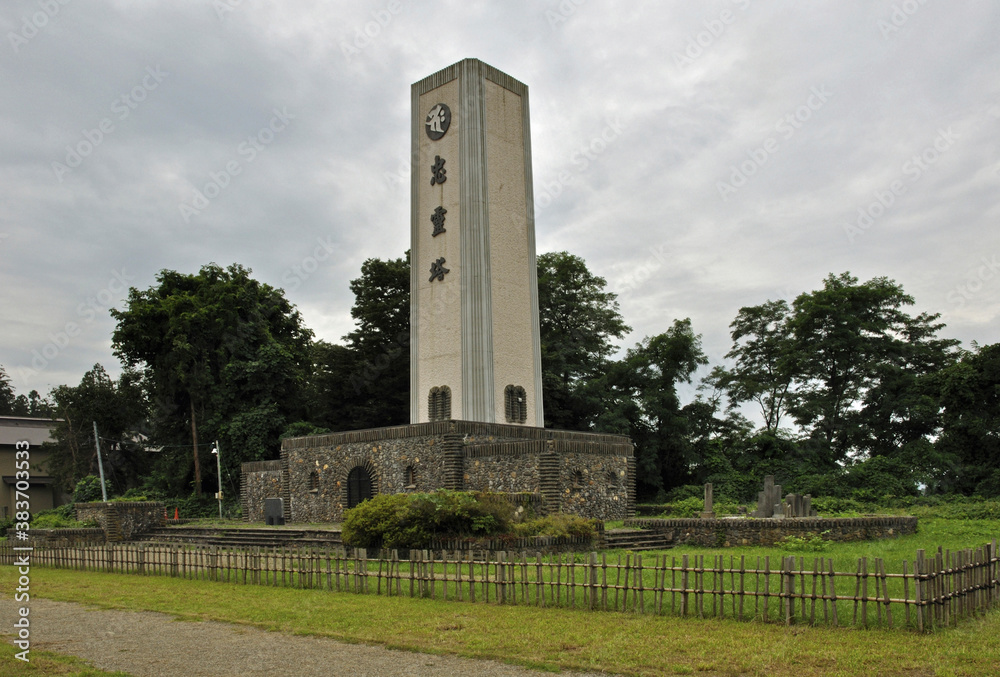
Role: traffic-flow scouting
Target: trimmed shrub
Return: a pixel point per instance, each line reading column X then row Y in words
column 87, row 489
column 413, row 520
column 558, row 525
column 62, row 517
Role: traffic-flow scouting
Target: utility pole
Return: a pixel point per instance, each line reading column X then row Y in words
column 100, row 463
column 218, row 467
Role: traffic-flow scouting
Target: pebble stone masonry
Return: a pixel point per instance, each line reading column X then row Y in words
column 559, row 471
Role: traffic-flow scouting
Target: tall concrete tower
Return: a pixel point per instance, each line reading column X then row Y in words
column 474, row 338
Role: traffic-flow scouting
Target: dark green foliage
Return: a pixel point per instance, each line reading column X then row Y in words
column 858, row 359
column 641, row 400
column 7, row 396
column 412, row 520
column 809, row 542
column 63, row 517
column 559, row 525
column 831, row 506
column 192, row 507
column 577, row 321
column 366, row 383
column 224, row 358
column 969, row 445
column 765, row 362
column 119, row 408
column 87, row 489
column 33, row 405
column 301, row 429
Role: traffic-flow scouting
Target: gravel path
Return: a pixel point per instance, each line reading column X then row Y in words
column 144, row 643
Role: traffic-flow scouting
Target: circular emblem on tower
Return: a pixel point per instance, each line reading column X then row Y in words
column 438, row 121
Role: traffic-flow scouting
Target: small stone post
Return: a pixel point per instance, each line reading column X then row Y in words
column 708, row 513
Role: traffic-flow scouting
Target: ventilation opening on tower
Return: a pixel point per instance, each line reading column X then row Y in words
column 439, row 403
column 515, row 404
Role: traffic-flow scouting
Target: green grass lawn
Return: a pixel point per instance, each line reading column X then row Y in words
column 45, row 663
column 545, row 638
column 554, row 638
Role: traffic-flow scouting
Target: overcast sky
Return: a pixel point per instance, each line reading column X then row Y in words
column 701, row 156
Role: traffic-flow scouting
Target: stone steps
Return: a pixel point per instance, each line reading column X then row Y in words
column 245, row 538
column 548, row 479
column 632, row 539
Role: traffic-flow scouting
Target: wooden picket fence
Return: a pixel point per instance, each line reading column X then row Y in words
column 931, row 592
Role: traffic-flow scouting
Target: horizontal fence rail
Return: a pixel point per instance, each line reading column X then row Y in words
column 932, row 591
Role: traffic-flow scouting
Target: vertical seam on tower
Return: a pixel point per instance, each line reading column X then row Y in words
column 476, row 311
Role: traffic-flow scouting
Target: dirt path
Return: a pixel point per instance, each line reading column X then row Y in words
column 152, row 644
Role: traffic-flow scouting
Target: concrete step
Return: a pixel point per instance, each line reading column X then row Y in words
column 245, row 538
column 632, row 539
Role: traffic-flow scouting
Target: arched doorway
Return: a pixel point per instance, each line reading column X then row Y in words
column 359, row 486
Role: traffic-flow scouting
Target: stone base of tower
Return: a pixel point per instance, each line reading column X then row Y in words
column 320, row 476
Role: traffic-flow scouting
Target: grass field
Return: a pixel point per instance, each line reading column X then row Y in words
column 46, row 663
column 576, row 639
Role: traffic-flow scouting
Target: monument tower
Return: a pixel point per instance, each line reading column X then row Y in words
column 476, row 375
column 474, row 336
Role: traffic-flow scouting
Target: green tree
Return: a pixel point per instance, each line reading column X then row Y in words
column 119, row 408
column 969, row 444
column 33, row 404
column 642, row 401
column 764, row 369
column 379, row 381
column 850, row 342
column 332, row 400
column 224, row 356
column 578, row 319
column 7, row 396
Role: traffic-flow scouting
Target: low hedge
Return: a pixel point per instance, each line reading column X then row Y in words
column 414, row 520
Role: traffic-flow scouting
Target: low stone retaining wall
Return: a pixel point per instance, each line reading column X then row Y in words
column 121, row 520
column 749, row 531
column 63, row 537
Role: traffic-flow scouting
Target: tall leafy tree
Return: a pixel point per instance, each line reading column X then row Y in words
column 378, row 376
column 119, row 408
column 7, row 396
column 578, row 320
column 224, row 356
column 764, row 368
column 32, row 404
column 642, row 401
column 848, row 340
column 969, row 444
